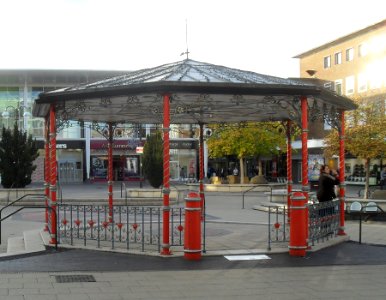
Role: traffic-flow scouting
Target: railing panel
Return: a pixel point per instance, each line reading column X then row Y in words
column 132, row 227
column 323, row 220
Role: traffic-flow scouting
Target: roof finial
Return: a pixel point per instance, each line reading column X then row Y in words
column 186, row 40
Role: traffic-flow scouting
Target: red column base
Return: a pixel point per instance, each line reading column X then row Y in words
column 341, row 232
column 297, row 252
column 53, row 241
column 166, row 251
column 192, row 255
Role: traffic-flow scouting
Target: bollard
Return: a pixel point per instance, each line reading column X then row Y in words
column 192, row 233
column 298, row 225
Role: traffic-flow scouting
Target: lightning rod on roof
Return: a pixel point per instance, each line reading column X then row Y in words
column 186, row 40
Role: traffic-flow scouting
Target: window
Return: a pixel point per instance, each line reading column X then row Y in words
column 375, row 73
column 362, row 82
column 349, row 54
column 338, row 58
column 350, row 85
column 362, row 50
column 327, row 62
column 338, row 87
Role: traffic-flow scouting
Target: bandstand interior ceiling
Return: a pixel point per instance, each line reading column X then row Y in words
column 199, row 93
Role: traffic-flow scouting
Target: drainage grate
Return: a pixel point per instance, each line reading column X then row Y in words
column 74, row 278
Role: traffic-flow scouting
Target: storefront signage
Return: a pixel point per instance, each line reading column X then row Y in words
column 139, row 150
column 117, row 144
column 181, row 144
column 60, row 144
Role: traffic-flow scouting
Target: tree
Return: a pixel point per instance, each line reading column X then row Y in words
column 365, row 135
column 153, row 159
column 246, row 140
column 17, row 154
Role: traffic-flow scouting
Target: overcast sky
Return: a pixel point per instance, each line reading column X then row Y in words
column 259, row 36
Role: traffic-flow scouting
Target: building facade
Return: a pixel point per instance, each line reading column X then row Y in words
column 81, row 149
column 353, row 65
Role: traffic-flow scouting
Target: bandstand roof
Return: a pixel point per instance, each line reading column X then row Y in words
column 200, row 93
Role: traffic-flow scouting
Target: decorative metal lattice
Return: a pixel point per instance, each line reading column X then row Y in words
column 132, row 227
column 332, row 116
column 323, row 220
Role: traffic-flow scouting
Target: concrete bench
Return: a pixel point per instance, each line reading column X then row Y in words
column 280, row 195
column 138, row 194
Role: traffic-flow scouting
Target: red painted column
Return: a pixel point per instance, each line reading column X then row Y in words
column 192, row 233
column 289, row 168
column 304, row 107
column 46, row 170
column 305, row 183
column 201, row 176
column 299, row 211
column 110, row 172
column 53, row 172
column 166, row 176
column 342, row 184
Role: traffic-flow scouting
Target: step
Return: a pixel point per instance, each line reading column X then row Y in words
column 30, row 242
column 15, row 245
column 33, row 241
column 28, row 201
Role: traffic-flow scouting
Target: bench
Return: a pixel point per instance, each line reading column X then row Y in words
column 368, row 210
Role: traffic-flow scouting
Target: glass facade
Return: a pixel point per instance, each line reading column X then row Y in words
column 80, row 157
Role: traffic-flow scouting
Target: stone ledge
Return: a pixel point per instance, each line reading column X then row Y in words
column 235, row 188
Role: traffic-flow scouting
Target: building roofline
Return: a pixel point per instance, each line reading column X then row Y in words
column 343, row 39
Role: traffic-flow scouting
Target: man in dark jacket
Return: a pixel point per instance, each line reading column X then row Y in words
column 327, row 181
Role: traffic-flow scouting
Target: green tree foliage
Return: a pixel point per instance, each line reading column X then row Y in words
column 365, row 134
column 17, row 154
column 153, row 159
column 247, row 140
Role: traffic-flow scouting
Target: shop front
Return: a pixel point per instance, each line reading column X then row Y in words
column 183, row 160
column 126, row 160
column 70, row 160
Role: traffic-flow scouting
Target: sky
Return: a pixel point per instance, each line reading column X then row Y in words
column 259, row 36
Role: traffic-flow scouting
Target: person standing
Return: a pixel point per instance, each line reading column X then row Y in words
column 383, row 178
column 327, row 181
column 235, row 171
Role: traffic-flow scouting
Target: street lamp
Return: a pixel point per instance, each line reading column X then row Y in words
column 6, row 115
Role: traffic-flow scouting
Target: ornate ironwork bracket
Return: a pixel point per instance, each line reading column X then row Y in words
column 293, row 108
column 332, row 117
column 103, row 129
column 65, row 114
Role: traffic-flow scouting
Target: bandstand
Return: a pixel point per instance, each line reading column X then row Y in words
column 192, row 92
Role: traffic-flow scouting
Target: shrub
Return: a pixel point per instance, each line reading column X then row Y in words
column 153, row 159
